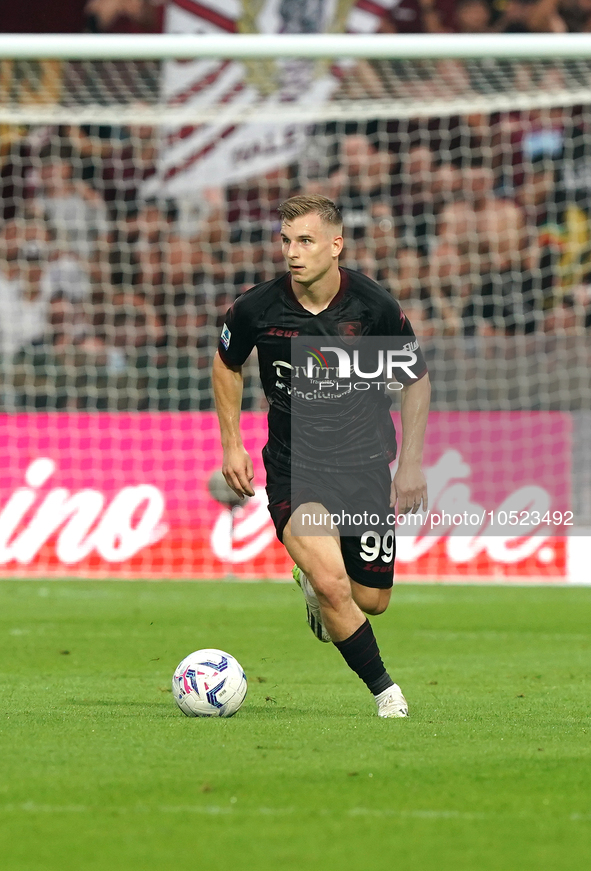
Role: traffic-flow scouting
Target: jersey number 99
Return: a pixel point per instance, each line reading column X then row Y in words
column 372, row 543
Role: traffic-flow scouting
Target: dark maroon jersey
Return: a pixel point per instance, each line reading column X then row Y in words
column 269, row 317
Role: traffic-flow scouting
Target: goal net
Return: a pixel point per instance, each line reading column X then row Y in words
column 139, row 197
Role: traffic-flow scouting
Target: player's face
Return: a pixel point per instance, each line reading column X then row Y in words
column 311, row 248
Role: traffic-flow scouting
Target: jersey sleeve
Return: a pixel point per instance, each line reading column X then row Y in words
column 238, row 336
column 394, row 322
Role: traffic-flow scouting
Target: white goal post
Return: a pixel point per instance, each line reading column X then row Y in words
column 528, row 46
column 570, row 52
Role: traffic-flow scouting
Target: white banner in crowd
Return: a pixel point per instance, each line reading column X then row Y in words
column 224, row 151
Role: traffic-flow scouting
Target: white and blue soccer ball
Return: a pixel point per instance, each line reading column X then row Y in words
column 209, row 683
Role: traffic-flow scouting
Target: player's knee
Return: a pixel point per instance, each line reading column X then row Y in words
column 333, row 591
column 335, row 599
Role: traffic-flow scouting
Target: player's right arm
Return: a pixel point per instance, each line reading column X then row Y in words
column 237, row 466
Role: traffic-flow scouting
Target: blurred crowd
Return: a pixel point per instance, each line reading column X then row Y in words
column 407, row 16
column 478, row 224
column 489, row 16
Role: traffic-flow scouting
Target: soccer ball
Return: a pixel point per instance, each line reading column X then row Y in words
column 209, row 683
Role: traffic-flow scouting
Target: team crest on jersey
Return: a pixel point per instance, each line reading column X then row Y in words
column 225, row 337
column 349, row 330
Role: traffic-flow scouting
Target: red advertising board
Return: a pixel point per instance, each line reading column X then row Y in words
column 125, row 495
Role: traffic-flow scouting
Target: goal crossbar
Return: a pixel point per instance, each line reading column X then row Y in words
column 256, row 46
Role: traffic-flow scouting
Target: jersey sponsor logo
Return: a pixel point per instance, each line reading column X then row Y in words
column 411, row 346
column 318, row 356
column 285, row 334
column 225, row 337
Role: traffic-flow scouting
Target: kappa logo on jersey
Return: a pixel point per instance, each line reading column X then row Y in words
column 225, row 337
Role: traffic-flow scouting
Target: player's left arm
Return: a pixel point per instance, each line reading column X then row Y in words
column 409, row 486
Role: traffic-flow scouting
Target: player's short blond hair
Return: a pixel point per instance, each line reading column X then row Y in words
column 307, row 204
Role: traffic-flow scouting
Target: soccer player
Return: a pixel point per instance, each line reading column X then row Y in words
column 343, row 578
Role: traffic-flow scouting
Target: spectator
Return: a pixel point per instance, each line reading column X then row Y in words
column 446, row 185
column 11, row 240
column 65, row 274
column 557, row 134
column 23, row 305
column 569, row 317
column 124, row 16
column 116, row 161
column 420, row 16
column 576, row 15
column 473, row 16
column 531, row 16
column 69, row 328
column 183, row 380
column 405, row 275
column 364, row 168
column 410, row 274
column 450, row 286
column 561, row 229
column 61, row 272
column 252, row 206
column 253, row 202
column 76, row 211
column 381, row 238
column 133, row 332
column 142, row 247
column 362, row 187
column 415, row 209
column 485, row 228
column 490, row 238
column 155, row 258
column 239, row 259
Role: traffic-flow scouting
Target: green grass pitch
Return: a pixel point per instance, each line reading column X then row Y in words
column 99, row 771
